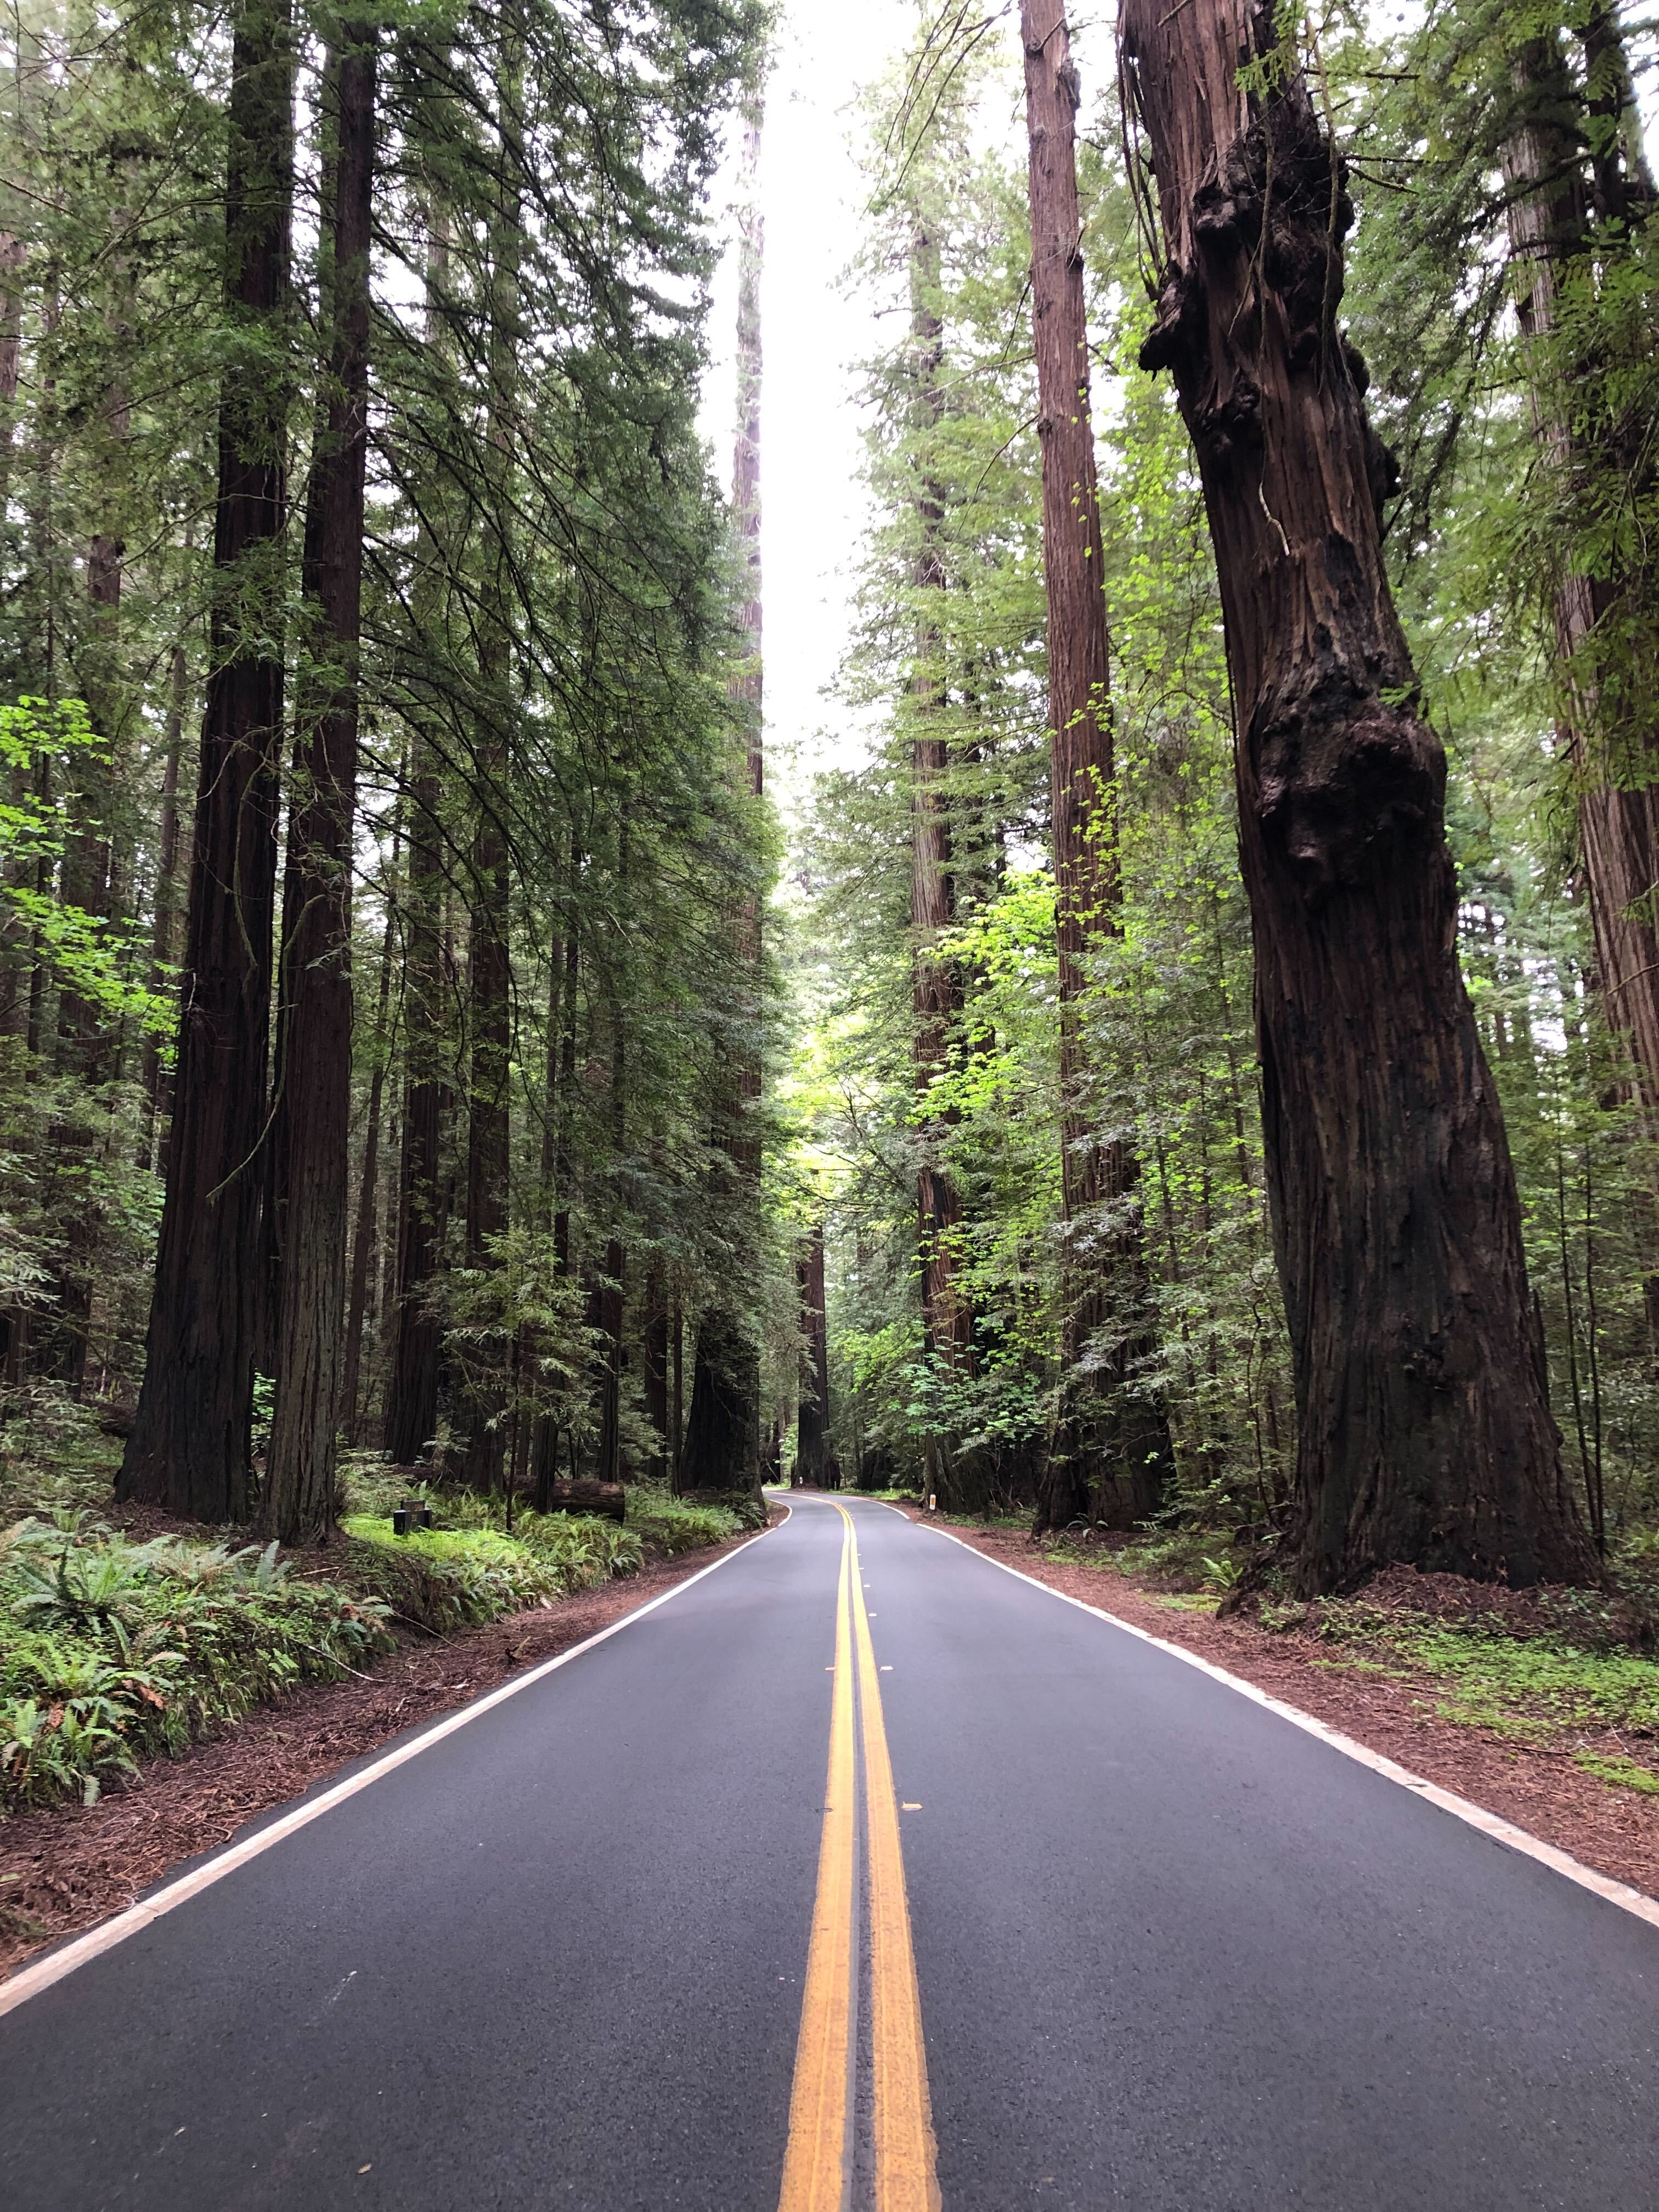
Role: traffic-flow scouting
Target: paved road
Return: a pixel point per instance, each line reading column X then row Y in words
column 1171, row 1952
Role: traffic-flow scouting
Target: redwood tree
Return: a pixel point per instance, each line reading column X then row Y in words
column 722, row 1436
column 190, row 1449
column 812, row 1416
column 313, row 1128
column 1110, row 1451
column 1426, row 1433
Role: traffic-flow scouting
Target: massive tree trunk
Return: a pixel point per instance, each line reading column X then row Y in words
column 722, row 1439
column 1426, row 1433
column 314, row 1129
column 190, row 1449
column 1109, row 1456
column 812, row 1417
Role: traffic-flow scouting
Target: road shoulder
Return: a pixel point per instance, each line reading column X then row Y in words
column 68, row 1867
column 1539, row 1789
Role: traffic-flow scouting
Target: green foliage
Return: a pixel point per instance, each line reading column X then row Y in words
column 1528, row 1687
column 113, row 1651
column 672, row 1525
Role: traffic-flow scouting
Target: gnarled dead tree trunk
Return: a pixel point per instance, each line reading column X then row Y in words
column 1426, row 1433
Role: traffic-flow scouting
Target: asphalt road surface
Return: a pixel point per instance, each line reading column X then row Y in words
column 859, row 1873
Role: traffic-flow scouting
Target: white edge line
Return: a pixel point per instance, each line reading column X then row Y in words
column 1462, row 1808
column 29, row 1981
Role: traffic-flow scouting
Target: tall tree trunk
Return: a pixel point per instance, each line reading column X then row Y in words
column 722, row 1436
column 316, row 1120
column 190, row 1447
column 1608, row 726
column 488, row 966
column 411, row 1405
column 409, row 1422
column 812, row 1413
column 935, row 983
column 653, row 1365
column 1425, row 1430
column 369, row 1189
column 164, row 929
column 1109, row 1456
column 557, row 1162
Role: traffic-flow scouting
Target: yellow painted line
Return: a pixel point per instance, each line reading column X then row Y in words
column 906, row 2156
column 815, row 2162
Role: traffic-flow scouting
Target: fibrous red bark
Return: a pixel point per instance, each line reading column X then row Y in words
column 721, row 1449
column 1424, row 1433
column 812, row 1417
column 190, row 1449
column 316, row 999
column 1109, row 1454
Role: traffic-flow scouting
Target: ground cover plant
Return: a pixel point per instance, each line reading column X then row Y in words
column 113, row 1650
column 116, row 1648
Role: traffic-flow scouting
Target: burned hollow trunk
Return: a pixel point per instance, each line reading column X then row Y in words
column 1424, row 1430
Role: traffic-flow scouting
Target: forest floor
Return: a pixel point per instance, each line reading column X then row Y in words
column 66, row 1866
column 1478, row 1691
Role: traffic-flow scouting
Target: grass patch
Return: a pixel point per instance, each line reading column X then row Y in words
column 1530, row 1688
column 1626, row 1774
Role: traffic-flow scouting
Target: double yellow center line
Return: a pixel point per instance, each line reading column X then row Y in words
column 818, row 2165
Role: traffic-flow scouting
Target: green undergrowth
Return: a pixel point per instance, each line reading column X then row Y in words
column 113, row 1651
column 674, row 1525
column 472, row 1570
column 1532, row 1689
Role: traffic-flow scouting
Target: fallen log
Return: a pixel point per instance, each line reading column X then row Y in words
column 607, row 1499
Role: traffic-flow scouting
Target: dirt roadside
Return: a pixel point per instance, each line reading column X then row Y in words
column 1614, row 1830
column 67, row 1867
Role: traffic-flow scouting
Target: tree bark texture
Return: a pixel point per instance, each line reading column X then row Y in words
column 164, row 931
column 1610, row 730
column 935, row 982
column 1109, row 1455
column 489, row 978
column 722, row 1442
column 812, row 1416
column 314, row 1129
column 653, row 1367
column 411, row 1407
column 1425, row 1430
column 365, row 1232
column 190, row 1449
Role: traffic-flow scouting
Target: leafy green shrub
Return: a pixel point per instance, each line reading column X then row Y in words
column 447, row 1578
column 676, row 1524
column 110, row 1651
